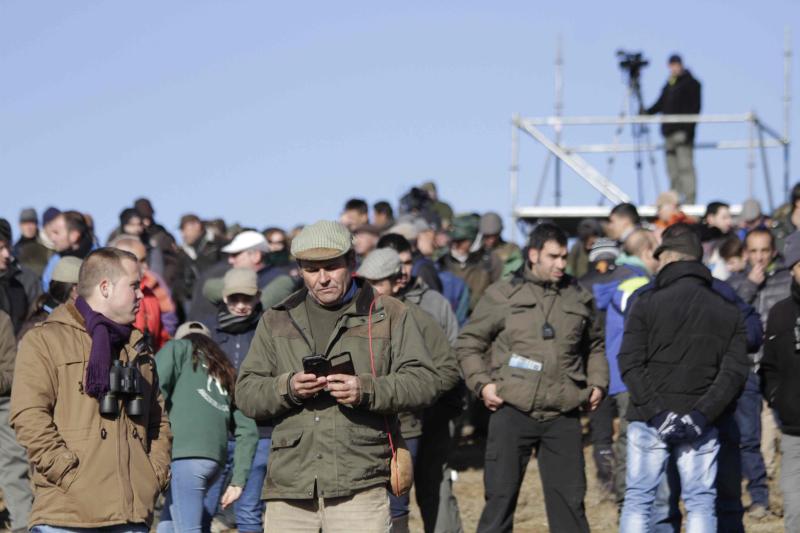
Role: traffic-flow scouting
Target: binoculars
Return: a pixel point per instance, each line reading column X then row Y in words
column 124, row 382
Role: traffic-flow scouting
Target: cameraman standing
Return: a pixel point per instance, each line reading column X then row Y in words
column 680, row 96
column 330, row 459
column 96, row 432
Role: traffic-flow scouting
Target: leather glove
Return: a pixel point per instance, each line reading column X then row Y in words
column 694, row 424
column 667, row 424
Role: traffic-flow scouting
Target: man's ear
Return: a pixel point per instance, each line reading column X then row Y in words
column 105, row 288
column 533, row 255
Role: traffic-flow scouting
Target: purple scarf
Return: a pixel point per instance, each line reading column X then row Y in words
column 107, row 337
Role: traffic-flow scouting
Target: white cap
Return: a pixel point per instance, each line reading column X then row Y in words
column 247, row 240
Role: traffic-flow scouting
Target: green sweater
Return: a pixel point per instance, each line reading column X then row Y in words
column 201, row 414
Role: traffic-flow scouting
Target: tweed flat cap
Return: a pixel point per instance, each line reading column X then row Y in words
column 380, row 264
column 322, row 241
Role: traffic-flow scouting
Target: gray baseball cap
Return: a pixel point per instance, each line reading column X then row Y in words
column 67, row 270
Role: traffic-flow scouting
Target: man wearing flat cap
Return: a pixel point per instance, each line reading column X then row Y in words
column 427, row 433
column 332, row 365
column 683, row 360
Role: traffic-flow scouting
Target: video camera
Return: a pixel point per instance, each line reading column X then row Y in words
column 632, row 62
column 124, row 382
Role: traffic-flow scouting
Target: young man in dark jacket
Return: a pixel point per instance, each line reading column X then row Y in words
column 680, row 96
column 780, row 370
column 683, row 359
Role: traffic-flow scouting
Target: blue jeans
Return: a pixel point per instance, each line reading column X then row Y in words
column 188, row 505
column 127, row 528
column 748, row 417
column 398, row 505
column 666, row 512
column 249, row 508
column 648, row 458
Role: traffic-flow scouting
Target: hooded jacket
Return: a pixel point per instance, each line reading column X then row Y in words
column 780, row 367
column 680, row 96
column 684, row 346
column 88, row 470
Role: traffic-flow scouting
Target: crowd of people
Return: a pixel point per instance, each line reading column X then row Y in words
column 305, row 379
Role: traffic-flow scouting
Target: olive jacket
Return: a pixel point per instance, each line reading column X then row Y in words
column 321, row 448
column 548, row 376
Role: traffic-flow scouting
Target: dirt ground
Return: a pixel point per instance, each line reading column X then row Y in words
column 530, row 516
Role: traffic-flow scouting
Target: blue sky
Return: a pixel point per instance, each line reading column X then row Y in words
column 276, row 112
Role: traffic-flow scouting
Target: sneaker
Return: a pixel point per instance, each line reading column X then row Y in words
column 758, row 511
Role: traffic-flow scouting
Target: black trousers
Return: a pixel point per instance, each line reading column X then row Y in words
column 512, row 438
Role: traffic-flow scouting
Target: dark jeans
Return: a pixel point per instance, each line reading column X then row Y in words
column 748, row 417
column 512, row 437
column 666, row 513
column 249, row 508
column 399, row 504
column 601, row 435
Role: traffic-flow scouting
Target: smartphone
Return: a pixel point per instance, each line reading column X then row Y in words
column 316, row 364
column 342, row 364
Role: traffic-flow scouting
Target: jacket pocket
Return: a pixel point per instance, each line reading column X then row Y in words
column 367, row 456
column 518, row 386
column 575, row 319
column 284, row 465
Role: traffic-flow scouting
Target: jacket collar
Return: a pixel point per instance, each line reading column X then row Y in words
column 358, row 307
column 693, row 270
column 69, row 315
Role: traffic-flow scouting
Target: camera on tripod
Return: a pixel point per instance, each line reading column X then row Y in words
column 632, row 62
column 124, row 382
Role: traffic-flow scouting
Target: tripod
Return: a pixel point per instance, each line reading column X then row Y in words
column 633, row 104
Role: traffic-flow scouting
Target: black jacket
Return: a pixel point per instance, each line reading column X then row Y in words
column 680, row 96
column 684, row 346
column 13, row 297
column 780, row 366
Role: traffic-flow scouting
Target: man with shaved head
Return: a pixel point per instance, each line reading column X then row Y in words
column 99, row 448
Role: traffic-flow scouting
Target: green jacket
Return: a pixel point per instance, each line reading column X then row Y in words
column 201, row 412
column 319, row 444
column 509, row 320
column 444, row 361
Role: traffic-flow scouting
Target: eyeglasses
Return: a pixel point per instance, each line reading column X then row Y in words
column 282, row 243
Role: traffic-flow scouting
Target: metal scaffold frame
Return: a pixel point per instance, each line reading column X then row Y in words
column 761, row 138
